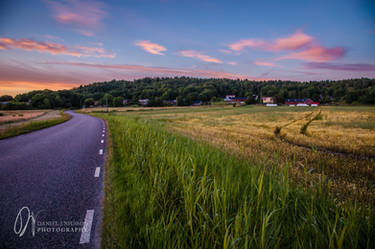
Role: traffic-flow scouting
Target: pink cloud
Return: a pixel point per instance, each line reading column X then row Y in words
column 151, row 47
column 53, row 48
column 144, row 71
column 233, row 63
column 317, row 53
column 199, row 56
column 79, row 14
column 293, row 42
column 359, row 67
column 86, row 33
column 225, row 51
column 240, row 45
column 264, row 63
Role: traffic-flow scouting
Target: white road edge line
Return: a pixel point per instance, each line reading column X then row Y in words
column 97, row 172
column 101, row 152
column 102, row 141
column 86, row 229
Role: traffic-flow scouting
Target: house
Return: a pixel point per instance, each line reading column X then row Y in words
column 125, row 101
column 170, row 102
column 232, row 99
column 301, row 102
column 143, row 101
column 197, row 103
column 268, row 100
column 228, row 98
column 96, row 103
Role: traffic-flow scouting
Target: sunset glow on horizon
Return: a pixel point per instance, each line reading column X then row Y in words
column 54, row 45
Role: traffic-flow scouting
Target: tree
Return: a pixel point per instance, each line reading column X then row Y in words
column 107, row 100
column 75, row 101
column 6, row 98
column 117, row 101
column 89, row 102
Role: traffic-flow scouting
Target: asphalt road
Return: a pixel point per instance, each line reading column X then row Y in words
column 51, row 183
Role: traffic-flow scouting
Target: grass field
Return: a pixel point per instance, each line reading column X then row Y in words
column 245, row 177
column 20, row 115
column 31, row 125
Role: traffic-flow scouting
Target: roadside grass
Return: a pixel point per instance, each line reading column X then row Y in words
column 33, row 126
column 169, row 191
column 345, row 156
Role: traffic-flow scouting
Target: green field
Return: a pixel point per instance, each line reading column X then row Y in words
column 219, row 177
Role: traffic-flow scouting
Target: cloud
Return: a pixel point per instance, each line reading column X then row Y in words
column 316, row 53
column 293, row 42
column 86, row 33
column 296, row 41
column 199, row 56
column 233, row 63
column 359, row 67
column 78, row 14
column 225, row 51
column 240, row 45
column 151, row 47
column 305, row 46
column 264, row 63
column 145, row 71
column 53, row 48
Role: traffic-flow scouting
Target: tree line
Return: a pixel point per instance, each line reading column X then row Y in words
column 186, row 90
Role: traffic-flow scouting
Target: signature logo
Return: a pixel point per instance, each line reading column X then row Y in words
column 21, row 224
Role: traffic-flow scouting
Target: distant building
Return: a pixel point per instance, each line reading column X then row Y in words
column 170, row 102
column 143, row 101
column 301, row 102
column 232, row 99
column 197, row 103
column 271, row 104
column 228, row 98
column 96, row 103
column 268, row 100
column 125, row 101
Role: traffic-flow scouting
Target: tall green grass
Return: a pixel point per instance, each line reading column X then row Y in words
column 168, row 191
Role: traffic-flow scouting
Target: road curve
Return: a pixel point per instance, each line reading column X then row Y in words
column 57, row 176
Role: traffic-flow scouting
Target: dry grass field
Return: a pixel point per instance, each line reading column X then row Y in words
column 19, row 115
column 332, row 146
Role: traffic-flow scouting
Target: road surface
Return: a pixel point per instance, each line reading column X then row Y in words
column 51, row 186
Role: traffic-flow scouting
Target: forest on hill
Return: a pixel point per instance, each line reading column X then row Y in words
column 187, row 90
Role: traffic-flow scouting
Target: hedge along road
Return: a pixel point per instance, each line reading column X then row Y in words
column 52, row 186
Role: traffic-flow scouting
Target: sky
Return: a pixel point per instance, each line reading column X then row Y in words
column 52, row 44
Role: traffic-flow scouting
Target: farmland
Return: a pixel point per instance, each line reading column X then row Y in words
column 228, row 177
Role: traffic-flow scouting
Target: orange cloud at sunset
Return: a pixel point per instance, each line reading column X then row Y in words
column 17, row 87
column 19, row 78
column 199, row 56
column 53, row 48
column 151, row 47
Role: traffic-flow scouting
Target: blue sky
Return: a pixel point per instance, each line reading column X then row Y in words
column 62, row 44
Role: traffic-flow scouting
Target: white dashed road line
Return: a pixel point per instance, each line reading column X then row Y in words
column 97, row 172
column 102, row 141
column 102, row 135
column 86, row 229
column 101, row 152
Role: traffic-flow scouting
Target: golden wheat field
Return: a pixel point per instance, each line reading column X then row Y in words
column 334, row 146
